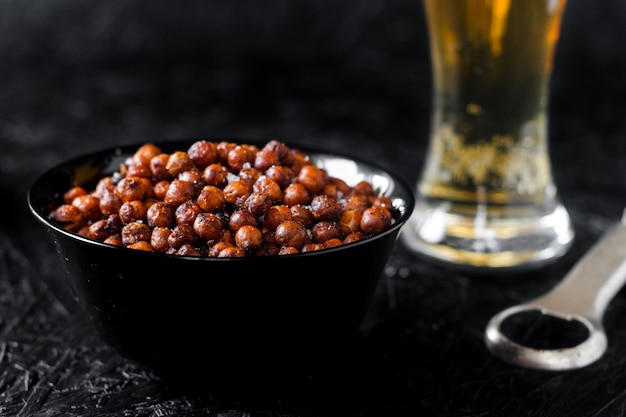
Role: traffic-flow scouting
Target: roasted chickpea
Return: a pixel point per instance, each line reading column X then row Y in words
column 158, row 167
column 249, row 174
column 194, row 177
column 311, row 247
column 135, row 232
column 223, row 148
column 139, row 171
column 265, row 158
column 268, row 249
column 226, row 236
column 364, row 188
column 69, row 217
column 86, row 233
column 149, row 202
column 105, row 184
column 330, row 190
column 269, row 237
column 296, row 194
column 147, row 186
column 382, row 201
column 324, row 207
column 160, row 239
column 132, row 211
column 341, row 186
column 350, row 221
column 216, row 175
column 144, row 154
column 182, row 234
column 324, row 230
column 110, row 201
column 283, row 175
column 105, row 228
column 160, row 189
column 141, row 245
column 89, row 205
column 241, row 218
column 188, row 250
column 258, row 203
column 248, row 238
column 302, row 214
column 98, row 230
column 131, row 188
column 178, row 162
column 232, row 252
column 354, row 237
column 115, row 240
column 281, row 150
column 178, row 192
column 313, row 178
column 208, row 226
column 160, row 214
column 331, row 243
column 72, row 193
column 237, row 192
column 211, row 199
column 300, row 159
column 276, row 215
column 268, row 186
column 215, row 250
column 291, row 233
column 288, row 250
column 375, row 220
column 355, row 202
column 203, row 153
column 240, row 157
column 187, row 212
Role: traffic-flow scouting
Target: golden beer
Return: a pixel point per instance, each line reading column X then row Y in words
column 486, row 196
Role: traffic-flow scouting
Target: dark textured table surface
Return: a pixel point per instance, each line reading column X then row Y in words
column 348, row 75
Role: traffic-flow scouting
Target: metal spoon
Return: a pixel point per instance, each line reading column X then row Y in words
column 579, row 299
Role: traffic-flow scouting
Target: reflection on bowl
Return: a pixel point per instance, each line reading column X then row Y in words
column 223, row 317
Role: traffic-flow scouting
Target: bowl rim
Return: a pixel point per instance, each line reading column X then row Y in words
column 127, row 149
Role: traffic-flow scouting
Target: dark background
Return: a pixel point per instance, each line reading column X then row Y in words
column 347, row 75
column 358, row 71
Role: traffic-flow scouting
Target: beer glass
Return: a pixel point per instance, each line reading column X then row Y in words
column 486, row 196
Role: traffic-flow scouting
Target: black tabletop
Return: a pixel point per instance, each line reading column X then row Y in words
column 350, row 76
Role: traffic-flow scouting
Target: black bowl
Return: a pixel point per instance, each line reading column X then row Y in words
column 222, row 318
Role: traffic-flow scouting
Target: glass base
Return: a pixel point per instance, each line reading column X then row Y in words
column 524, row 238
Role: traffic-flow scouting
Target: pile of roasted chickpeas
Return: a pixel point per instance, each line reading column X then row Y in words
column 224, row 199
